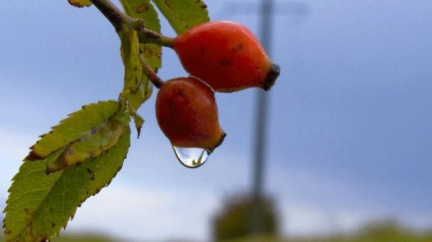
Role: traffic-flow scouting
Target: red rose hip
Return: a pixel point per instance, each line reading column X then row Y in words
column 226, row 55
column 187, row 114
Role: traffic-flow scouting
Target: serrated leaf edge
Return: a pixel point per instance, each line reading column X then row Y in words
column 82, row 199
column 33, row 156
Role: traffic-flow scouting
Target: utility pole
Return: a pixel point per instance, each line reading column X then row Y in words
column 261, row 114
column 262, row 98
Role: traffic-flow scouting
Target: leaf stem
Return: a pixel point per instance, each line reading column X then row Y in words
column 148, row 71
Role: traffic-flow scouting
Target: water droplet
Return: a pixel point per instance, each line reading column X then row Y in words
column 191, row 157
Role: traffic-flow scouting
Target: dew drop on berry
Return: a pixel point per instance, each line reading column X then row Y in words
column 191, row 157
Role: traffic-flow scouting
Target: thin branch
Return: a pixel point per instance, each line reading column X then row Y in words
column 119, row 18
column 112, row 13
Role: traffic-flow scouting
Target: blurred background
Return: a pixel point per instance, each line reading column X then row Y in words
column 349, row 132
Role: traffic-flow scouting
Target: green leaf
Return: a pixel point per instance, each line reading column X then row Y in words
column 92, row 144
column 40, row 205
column 80, row 3
column 144, row 10
column 132, row 89
column 76, row 126
column 183, row 14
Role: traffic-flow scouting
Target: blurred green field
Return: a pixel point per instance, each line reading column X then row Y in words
column 374, row 232
column 80, row 238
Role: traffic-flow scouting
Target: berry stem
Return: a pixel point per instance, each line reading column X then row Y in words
column 150, row 36
column 148, row 71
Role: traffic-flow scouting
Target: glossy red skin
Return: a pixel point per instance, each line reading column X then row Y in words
column 187, row 114
column 224, row 54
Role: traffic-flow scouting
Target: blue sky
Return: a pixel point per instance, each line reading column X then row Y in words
column 350, row 118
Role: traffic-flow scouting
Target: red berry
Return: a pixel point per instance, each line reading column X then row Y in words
column 226, row 55
column 187, row 114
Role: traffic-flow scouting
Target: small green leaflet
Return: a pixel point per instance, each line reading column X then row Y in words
column 144, row 10
column 40, row 205
column 80, row 3
column 183, row 14
column 138, row 120
column 76, row 126
column 152, row 53
column 133, row 69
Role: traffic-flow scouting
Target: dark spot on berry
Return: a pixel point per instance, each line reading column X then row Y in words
column 225, row 62
column 202, row 50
